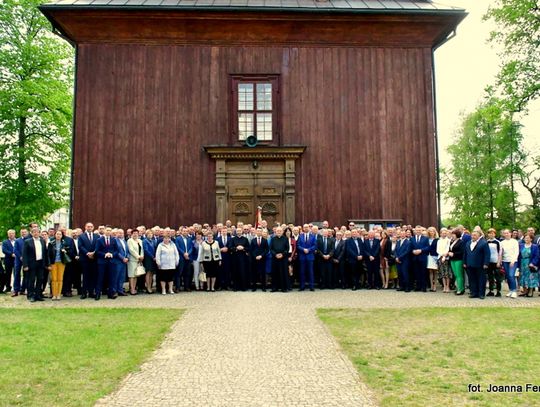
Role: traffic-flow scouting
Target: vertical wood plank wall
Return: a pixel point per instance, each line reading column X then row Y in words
column 145, row 111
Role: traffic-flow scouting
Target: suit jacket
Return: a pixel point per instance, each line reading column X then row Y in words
column 29, row 253
column 102, row 249
column 228, row 243
column 456, row 248
column 8, row 249
column 339, row 250
column 422, row 244
column 329, row 247
column 403, row 250
column 256, row 250
column 86, row 246
column 182, row 249
column 372, row 250
column 309, row 243
column 120, row 253
column 479, row 257
column 352, row 251
column 19, row 245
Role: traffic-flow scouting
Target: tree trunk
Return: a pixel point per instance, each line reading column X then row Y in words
column 21, row 159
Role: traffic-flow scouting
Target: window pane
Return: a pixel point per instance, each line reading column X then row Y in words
column 245, row 125
column 264, row 126
column 264, row 96
column 245, row 96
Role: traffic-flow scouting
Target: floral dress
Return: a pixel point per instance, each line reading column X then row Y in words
column 526, row 278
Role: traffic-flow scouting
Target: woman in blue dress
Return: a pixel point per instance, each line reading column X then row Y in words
column 528, row 266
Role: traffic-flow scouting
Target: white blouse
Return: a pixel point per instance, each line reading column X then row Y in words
column 510, row 250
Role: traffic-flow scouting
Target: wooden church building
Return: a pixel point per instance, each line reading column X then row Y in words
column 201, row 110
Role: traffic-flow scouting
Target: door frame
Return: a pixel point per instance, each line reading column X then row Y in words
column 223, row 154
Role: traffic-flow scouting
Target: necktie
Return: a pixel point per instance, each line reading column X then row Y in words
column 259, row 241
column 371, row 243
column 90, row 237
column 417, row 239
column 107, row 241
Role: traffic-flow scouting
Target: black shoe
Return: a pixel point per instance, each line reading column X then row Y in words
column 92, row 295
column 407, row 291
column 264, row 290
column 473, row 296
column 84, row 297
column 481, row 297
column 490, row 294
column 311, row 289
column 40, row 299
column 460, row 292
column 97, row 297
column 31, row 300
column 301, row 289
column 121, row 294
column 253, row 290
column 354, row 288
column 498, row 294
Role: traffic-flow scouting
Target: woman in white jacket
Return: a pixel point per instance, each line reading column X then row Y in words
column 167, row 259
column 136, row 256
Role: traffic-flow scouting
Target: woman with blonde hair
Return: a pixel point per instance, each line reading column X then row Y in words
column 136, row 256
column 432, row 267
column 210, row 256
column 443, row 263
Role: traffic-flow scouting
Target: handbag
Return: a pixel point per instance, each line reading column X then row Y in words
column 202, row 274
column 139, row 270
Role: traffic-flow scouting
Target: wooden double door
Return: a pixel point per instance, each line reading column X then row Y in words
column 250, row 184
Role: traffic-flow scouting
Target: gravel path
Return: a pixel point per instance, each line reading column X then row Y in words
column 255, row 349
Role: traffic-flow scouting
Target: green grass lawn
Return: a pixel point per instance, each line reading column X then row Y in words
column 72, row 357
column 428, row 356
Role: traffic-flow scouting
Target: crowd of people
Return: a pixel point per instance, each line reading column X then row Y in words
column 243, row 257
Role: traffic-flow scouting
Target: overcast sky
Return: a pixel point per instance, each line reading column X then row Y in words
column 464, row 66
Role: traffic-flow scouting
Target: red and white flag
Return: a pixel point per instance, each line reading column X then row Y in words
column 258, row 219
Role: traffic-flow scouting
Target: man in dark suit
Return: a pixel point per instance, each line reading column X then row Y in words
column 224, row 240
column 476, row 261
column 258, row 251
column 8, row 248
column 338, row 259
column 354, row 257
column 372, row 253
column 306, row 247
column 403, row 253
column 325, row 251
column 185, row 246
column 19, row 286
column 76, row 272
column 120, row 261
column 35, row 260
column 419, row 251
column 105, row 253
column 87, row 249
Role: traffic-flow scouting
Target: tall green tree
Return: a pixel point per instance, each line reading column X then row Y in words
column 36, row 77
column 485, row 159
column 530, row 180
column 518, row 31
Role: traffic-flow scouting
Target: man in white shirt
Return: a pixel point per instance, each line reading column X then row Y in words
column 35, row 260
